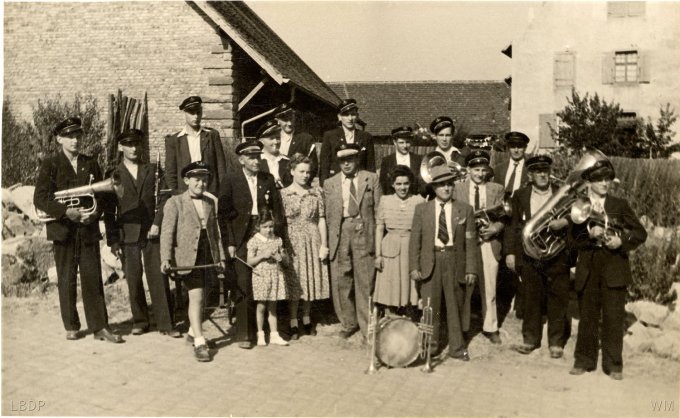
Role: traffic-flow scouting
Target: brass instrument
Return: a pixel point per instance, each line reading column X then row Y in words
column 157, row 191
column 426, row 329
column 485, row 217
column 82, row 197
column 372, row 332
column 538, row 240
column 435, row 158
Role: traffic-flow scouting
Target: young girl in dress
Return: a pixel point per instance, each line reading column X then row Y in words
column 267, row 257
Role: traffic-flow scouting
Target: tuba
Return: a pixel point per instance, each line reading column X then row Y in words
column 435, row 158
column 538, row 240
column 82, row 197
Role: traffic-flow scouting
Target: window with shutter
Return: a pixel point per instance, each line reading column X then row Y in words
column 545, row 121
column 564, row 70
column 618, row 9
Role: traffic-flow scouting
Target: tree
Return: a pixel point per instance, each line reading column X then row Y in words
column 655, row 140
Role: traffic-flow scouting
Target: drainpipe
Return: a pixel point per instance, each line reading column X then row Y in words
column 263, row 114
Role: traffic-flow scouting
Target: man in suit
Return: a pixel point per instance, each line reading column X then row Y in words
column 75, row 234
column 271, row 160
column 544, row 281
column 248, row 191
column 512, row 175
column 480, row 194
column 194, row 143
column 443, row 130
column 402, row 138
column 190, row 237
column 295, row 142
column 444, row 258
column 346, row 133
column 135, row 232
column 351, row 197
column 603, row 274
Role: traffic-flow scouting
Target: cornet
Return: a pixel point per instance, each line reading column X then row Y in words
column 435, row 158
column 82, row 197
column 485, row 217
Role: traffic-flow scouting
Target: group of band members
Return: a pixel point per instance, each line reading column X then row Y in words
column 419, row 243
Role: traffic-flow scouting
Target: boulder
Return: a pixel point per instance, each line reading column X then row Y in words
column 672, row 322
column 110, row 264
column 11, row 245
column 37, row 252
column 640, row 337
column 13, row 270
column 23, row 199
column 7, row 201
column 18, row 225
column 667, row 345
column 52, row 274
column 649, row 313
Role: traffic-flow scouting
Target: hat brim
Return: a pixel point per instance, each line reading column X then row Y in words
column 443, row 179
column 192, row 107
column 347, row 108
column 70, row 130
column 197, row 173
column 539, row 167
column 345, row 154
column 475, row 162
column 284, row 114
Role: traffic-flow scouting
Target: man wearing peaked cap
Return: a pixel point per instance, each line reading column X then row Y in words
column 271, row 160
column 194, row 143
column 402, row 137
column 481, row 195
column 132, row 232
column 443, row 130
column 74, row 232
column 347, row 133
column 248, row 192
column 292, row 140
column 351, row 197
column 545, row 282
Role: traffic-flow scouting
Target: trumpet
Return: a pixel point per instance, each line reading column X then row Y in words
column 435, row 158
column 372, row 334
column 83, row 197
column 425, row 329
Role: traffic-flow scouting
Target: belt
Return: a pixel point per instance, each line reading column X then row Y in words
column 442, row 249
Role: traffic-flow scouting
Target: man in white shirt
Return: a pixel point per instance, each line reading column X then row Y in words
column 443, row 130
column 271, row 159
column 293, row 141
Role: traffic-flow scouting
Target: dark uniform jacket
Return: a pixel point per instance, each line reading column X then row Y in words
column 235, row 206
column 177, row 156
column 328, row 164
column 618, row 272
column 500, row 170
column 56, row 174
column 387, row 165
column 136, row 208
column 284, row 171
column 302, row 144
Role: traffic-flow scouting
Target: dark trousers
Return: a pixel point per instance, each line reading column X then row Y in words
column 597, row 299
column 244, row 308
column 70, row 256
column 352, row 276
column 508, row 286
column 159, row 288
column 546, row 290
column 440, row 288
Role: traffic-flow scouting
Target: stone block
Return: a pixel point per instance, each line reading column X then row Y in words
column 52, row 276
column 7, row 201
column 13, row 270
column 672, row 322
column 649, row 313
column 23, row 199
column 667, row 345
column 38, row 253
column 220, row 80
column 18, row 225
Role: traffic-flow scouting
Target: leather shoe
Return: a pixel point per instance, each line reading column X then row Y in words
column 494, row 337
column 190, row 340
column 576, row 371
column 247, row 345
column 616, row 375
column 173, row 333
column 462, row 356
column 105, row 335
column 294, row 333
column 72, row 335
column 310, row 329
column 525, row 348
column 202, row 353
column 139, row 330
column 556, row 352
column 347, row 333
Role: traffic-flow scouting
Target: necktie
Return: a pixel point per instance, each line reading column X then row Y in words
column 511, row 182
column 442, row 233
column 476, row 197
column 352, row 206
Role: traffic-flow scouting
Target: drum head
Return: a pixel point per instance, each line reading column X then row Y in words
column 397, row 342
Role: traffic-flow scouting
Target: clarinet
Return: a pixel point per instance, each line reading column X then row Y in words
column 156, row 190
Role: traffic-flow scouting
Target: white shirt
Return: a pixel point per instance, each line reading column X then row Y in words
column 194, row 142
column 349, row 135
column 252, row 185
column 346, row 195
column 132, row 168
column 518, row 174
column 404, row 159
column 198, row 204
column 448, row 154
column 273, row 164
column 448, row 208
column 538, row 199
column 73, row 161
column 286, row 140
column 597, row 202
column 482, row 195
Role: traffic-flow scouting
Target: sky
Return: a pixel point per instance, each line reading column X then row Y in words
column 399, row 41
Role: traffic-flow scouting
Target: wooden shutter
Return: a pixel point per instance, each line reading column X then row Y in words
column 545, row 120
column 563, row 70
column 636, row 8
column 608, row 68
column 644, row 75
column 617, row 9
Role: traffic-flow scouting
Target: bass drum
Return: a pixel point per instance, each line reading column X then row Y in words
column 397, row 342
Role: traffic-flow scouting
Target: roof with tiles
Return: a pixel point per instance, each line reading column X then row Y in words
column 479, row 107
column 269, row 50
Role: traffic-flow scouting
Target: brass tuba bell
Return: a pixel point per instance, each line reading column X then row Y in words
column 435, row 158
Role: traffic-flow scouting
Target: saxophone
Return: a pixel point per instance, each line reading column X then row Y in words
column 538, row 240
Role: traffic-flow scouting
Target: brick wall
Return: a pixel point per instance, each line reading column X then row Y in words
column 164, row 48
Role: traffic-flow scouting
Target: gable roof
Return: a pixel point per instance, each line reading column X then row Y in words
column 266, row 48
column 481, row 107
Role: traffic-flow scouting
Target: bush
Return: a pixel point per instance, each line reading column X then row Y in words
column 25, row 145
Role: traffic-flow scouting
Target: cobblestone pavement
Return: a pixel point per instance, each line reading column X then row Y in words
column 44, row 374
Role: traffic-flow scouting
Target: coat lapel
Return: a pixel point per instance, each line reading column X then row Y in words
column 189, row 207
column 362, row 181
column 204, row 143
column 142, row 172
column 430, row 222
column 184, row 151
column 457, row 214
